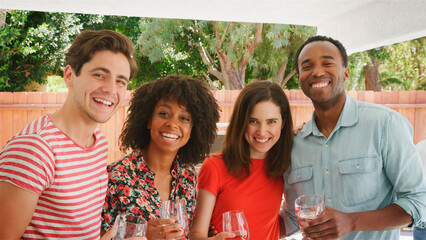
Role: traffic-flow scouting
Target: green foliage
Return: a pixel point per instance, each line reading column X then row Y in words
column 56, row 84
column 168, row 47
column 164, row 39
column 279, row 47
column 406, row 62
column 356, row 63
column 32, row 46
column 402, row 66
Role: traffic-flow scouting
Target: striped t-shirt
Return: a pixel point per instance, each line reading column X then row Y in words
column 71, row 180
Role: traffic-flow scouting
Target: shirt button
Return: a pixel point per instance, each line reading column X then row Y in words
column 329, row 200
column 327, row 172
column 298, row 176
column 326, row 145
column 357, row 166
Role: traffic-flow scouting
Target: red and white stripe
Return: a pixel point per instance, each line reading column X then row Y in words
column 71, row 180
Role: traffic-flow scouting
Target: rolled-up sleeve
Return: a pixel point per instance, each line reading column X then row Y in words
column 287, row 211
column 403, row 167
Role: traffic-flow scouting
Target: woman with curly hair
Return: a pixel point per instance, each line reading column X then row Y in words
column 170, row 127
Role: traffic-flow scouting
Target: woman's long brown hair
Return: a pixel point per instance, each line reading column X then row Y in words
column 236, row 149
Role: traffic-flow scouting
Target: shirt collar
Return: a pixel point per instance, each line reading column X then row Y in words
column 348, row 117
column 141, row 165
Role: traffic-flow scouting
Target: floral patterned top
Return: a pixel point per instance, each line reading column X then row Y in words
column 131, row 189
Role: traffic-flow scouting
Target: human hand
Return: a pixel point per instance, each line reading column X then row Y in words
column 212, row 231
column 221, row 236
column 113, row 231
column 164, row 229
column 110, row 233
column 298, row 128
column 212, row 234
column 331, row 224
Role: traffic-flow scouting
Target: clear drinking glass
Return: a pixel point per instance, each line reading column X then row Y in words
column 170, row 209
column 235, row 221
column 308, row 207
column 130, row 225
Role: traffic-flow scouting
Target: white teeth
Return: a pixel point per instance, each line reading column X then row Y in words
column 103, row 101
column 169, row 135
column 320, row 85
column 261, row 140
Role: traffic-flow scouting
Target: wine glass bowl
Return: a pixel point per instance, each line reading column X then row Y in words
column 234, row 221
column 308, row 207
column 177, row 210
column 130, row 225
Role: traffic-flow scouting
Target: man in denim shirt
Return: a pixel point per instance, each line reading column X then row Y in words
column 358, row 156
column 419, row 231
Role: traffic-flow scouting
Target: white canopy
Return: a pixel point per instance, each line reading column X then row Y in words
column 358, row 24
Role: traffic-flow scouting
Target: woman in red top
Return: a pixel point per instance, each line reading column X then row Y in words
column 247, row 175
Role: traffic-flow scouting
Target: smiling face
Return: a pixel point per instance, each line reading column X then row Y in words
column 264, row 128
column 322, row 74
column 170, row 126
column 100, row 88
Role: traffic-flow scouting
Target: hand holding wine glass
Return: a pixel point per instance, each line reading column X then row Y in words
column 235, row 222
column 308, row 207
column 175, row 210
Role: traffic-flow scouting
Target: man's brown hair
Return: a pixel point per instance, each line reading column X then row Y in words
column 88, row 42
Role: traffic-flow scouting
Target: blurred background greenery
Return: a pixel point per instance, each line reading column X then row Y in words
column 226, row 55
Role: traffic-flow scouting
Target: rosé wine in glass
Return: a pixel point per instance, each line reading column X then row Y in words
column 235, row 221
column 308, row 207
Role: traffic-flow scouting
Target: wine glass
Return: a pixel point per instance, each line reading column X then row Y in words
column 177, row 210
column 130, row 225
column 308, row 207
column 234, row 221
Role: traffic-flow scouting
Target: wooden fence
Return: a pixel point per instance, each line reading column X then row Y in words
column 19, row 108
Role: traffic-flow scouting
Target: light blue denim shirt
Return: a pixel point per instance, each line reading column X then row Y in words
column 368, row 162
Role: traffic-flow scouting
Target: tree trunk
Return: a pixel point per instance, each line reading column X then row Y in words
column 210, row 82
column 234, row 78
column 285, row 80
column 281, row 72
column 2, row 18
column 372, row 77
column 230, row 76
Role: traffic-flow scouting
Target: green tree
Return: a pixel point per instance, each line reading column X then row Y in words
column 400, row 66
column 371, row 71
column 356, row 64
column 179, row 61
column 32, row 46
column 274, row 58
column 227, row 50
column 404, row 69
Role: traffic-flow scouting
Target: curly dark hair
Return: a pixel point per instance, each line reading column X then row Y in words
column 318, row 38
column 236, row 149
column 188, row 92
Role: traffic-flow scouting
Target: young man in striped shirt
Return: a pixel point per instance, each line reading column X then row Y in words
column 53, row 172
